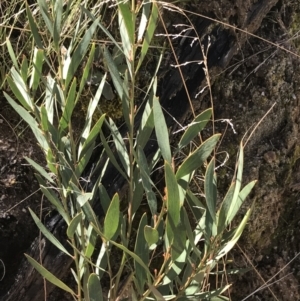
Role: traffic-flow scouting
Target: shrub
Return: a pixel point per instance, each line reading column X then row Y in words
column 173, row 248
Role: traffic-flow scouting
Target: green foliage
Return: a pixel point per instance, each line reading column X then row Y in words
column 191, row 236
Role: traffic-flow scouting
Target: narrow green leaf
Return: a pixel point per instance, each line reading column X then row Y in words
column 24, row 69
column 141, row 249
column 111, row 155
column 237, row 234
column 44, row 9
column 91, row 239
column 239, row 201
column 179, row 241
column 30, row 121
column 151, row 235
column 86, row 72
column 104, row 197
column 83, row 199
column 58, row 10
column 196, row 159
column 173, row 200
column 49, row 98
column 69, row 107
column 161, row 131
column 190, row 234
column 144, row 20
column 89, row 116
column 210, row 189
column 146, row 181
column 120, row 146
column 12, row 53
column 123, row 248
column 74, row 224
column 138, row 190
column 114, row 73
column 238, row 182
column 94, row 288
column 48, row 234
column 52, row 198
column 38, row 59
column 195, row 127
column 33, row 28
column 44, row 121
column 79, row 53
column 49, row 276
column 146, row 125
column 149, row 33
column 125, row 101
column 40, row 170
column 127, row 31
column 111, row 222
column 223, row 212
column 19, row 88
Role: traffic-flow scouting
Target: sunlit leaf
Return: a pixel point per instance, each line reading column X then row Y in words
column 161, row 131
column 149, row 33
column 48, row 234
column 79, row 53
column 195, row 127
column 49, row 276
column 196, row 159
column 38, row 59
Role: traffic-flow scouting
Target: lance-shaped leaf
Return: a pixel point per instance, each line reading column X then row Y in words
column 123, row 248
column 120, row 146
column 38, row 60
column 58, row 9
column 68, row 108
column 210, row 189
column 40, row 170
column 46, row 16
column 33, row 28
column 172, row 191
column 12, row 53
column 49, row 276
column 196, row 159
column 24, row 69
column 150, row 31
column 146, row 181
column 114, row 73
column 237, row 234
column 19, row 88
column 48, row 234
column 141, row 249
column 111, row 222
column 30, row 121
column 127, row 31
column 89, row 116
column 161, row 131
column 70, row 69
column 194, row 128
